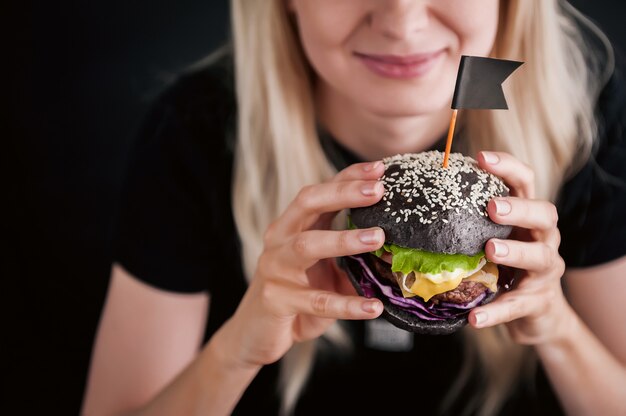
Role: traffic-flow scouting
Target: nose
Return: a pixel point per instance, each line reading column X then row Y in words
column 399, row 19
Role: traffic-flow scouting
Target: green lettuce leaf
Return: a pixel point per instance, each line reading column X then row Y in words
column 406, row 260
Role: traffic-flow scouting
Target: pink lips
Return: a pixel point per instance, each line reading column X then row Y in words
column 400, row 66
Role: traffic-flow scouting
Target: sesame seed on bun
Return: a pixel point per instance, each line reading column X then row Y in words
column 431, row 208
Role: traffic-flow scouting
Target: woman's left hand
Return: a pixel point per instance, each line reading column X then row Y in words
column 536, row 311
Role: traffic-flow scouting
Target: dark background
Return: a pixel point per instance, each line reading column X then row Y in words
column 82, row 74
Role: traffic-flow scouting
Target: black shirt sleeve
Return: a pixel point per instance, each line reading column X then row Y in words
column 592, row 204
column 165, row 233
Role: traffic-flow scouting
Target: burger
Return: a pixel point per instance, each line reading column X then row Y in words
column 431, row 271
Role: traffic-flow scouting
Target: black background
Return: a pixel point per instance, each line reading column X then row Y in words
column 81, row 76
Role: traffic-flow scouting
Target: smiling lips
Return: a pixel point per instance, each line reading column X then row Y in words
column 400, row 67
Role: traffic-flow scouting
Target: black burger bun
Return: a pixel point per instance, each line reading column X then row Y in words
column 431, row 208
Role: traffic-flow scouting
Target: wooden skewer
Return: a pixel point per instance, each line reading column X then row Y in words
column 450, row 136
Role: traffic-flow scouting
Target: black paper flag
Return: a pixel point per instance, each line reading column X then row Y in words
column 479, row 83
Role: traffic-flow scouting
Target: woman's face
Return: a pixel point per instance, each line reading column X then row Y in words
column 393, row 57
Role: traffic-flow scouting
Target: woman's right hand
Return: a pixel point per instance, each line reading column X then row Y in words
column 298, row 291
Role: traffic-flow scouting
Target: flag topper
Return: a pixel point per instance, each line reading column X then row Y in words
column 479, row 86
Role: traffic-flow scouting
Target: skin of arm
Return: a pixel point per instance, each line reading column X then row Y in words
column 147, row 358
column 587, row 365
column 212, row 384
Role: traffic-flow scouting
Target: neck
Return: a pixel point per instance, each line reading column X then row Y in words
column 373, row 136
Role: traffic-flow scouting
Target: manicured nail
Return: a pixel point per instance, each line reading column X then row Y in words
column 503, row 207
column 371, row 306
column 491, row 158
column 481, row 318
column 370, row 236
column 500, row 249
column 371, row 166
column 370, row 188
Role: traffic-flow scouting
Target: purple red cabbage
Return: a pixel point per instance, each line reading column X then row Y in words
column 430, row 311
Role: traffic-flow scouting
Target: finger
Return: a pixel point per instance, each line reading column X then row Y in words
column 525, row 213
column 361, row 171
column 358, row 171
column 314, row 200
column 326, row 304
column 535, row 256
column 286, row 299
column 519, row 176
column 507, row 308
column 309, row 247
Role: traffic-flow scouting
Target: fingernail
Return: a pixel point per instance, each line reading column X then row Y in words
column 491, row 158
column 370, row 188
column 500, row 249
column 481, row 318
column 502, row 207
column 371, row 166
column 371, row 306
column 370, row 236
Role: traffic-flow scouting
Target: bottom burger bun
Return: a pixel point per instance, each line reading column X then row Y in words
column 400, row 316
column 432, row 270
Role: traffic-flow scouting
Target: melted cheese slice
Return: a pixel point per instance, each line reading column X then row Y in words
column 424, row 287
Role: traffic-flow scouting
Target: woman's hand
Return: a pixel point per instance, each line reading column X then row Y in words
column 298, row 291
column 536, row 311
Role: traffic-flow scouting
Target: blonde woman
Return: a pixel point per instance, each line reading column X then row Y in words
column 225, row 296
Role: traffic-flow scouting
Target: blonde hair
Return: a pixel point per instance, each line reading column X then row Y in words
column 549, row 123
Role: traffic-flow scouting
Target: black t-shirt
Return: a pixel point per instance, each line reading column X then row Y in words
column 176, row 232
